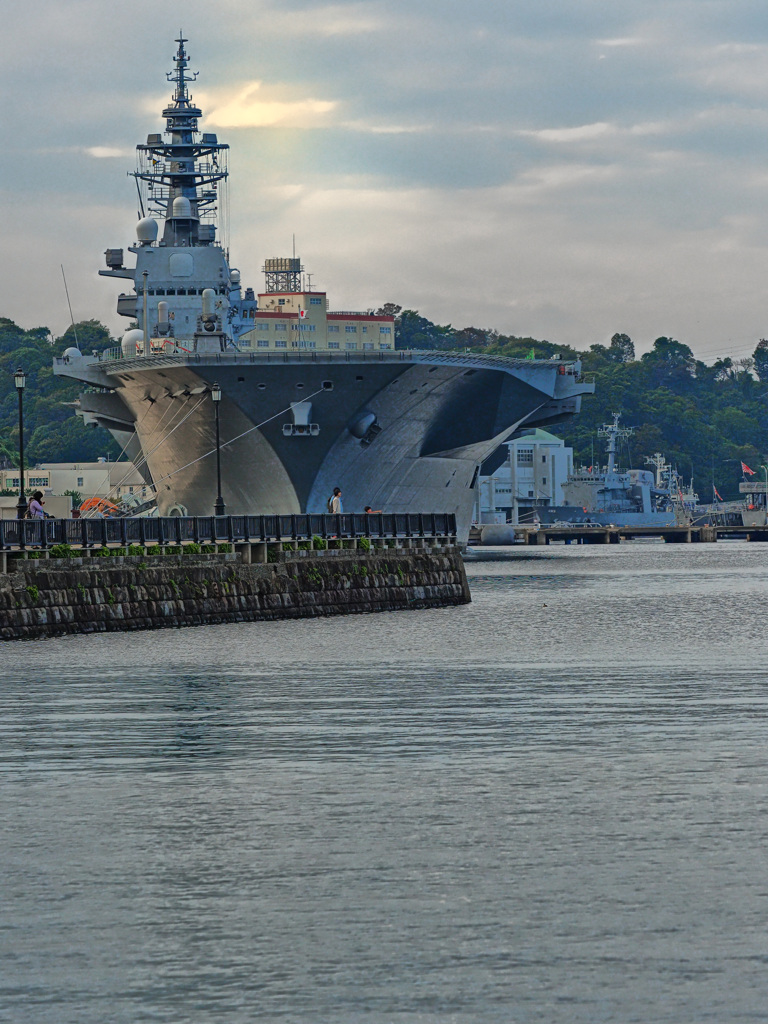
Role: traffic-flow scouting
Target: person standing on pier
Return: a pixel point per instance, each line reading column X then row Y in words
column 336, row 505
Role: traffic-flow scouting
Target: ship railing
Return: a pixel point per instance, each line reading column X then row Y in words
column 475, row 360
column 177, row 531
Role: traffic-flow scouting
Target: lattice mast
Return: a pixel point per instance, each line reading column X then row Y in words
column 614, row 433
column 178, row 180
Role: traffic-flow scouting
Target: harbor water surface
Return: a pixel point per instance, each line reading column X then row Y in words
column 547, row 806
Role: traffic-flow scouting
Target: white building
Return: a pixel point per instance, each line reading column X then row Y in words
column 101, row 479
column 531, row 476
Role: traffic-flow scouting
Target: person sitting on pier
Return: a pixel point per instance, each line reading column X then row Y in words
column 373, row 511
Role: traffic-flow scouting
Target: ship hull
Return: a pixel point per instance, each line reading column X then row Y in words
column 404, row 432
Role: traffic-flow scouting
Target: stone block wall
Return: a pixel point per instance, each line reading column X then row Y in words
column 92, row 595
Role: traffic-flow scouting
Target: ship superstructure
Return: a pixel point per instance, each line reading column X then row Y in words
column 607, row 495
column 311, row 398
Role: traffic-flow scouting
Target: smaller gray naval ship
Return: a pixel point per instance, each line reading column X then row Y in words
column 309, row 398
column 607, row 496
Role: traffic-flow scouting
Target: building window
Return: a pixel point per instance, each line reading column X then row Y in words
column 281, row 302
column 350, row 346
column 384, row 344
column 315, row 301
column 333, row 344
column 530, row 494
column 351, row 328
column 524, row 456
column 303, row 327
column 15, row 482
column 79, row 481
column 385, row 330
column 263, row 342
column 544, row 481
column 245, row 343
column 333, row 328
column 262, row 327
column 281, row 327
column 307, row 344
column 543, row 458
column 281, row 343
column 368, row 344
column 38, row 481
column 365, row 329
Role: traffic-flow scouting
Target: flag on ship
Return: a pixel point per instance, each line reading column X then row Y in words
column 745, row 469
column 718, row 495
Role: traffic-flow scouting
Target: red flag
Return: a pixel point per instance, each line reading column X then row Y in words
column 745, row 469
column 718, row 495
column 302, row 314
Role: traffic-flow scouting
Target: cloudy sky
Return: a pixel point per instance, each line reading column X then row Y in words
column 560, row 168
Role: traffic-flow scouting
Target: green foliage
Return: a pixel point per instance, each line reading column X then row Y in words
column 52, row 431
column 704, row 419
column 61, row 551
column 33, row 592
column 364, row 543
column 319, row 543
column 135, row 549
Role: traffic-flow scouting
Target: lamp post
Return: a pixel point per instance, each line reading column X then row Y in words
column 20, row 380
column 218, row 508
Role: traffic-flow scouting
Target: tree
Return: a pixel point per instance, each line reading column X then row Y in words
column 621, row 348
column 760, row 357
column 388, row 309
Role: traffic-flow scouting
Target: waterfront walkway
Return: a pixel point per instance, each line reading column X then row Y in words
column 250, row 535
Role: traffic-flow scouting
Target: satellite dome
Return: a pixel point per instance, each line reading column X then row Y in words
column 72, row 353
column 146, row 230
column 132, row 342
column 234, row 276
column 182, row 208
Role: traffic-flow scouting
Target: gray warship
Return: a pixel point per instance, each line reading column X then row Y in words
column 310, row 398
column 606, row 496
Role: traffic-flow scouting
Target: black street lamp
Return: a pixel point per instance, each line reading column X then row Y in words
column 20, row 380
column 218, row 508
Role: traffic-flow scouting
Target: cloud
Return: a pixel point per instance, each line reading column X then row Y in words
column 104, row 152
column 247, row 110
column 579, row 134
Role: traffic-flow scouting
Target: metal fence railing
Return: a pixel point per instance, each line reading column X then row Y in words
column 17, row 534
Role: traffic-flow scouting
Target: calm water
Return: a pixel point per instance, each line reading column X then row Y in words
column 549, row 806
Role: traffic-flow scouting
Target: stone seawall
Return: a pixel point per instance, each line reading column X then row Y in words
column 57, row 597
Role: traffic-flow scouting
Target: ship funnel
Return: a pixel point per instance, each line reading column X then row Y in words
column 162, row 318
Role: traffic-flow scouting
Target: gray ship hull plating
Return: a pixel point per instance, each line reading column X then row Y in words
column 436, row 418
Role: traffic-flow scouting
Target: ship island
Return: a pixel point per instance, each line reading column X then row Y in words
column 308, row 398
